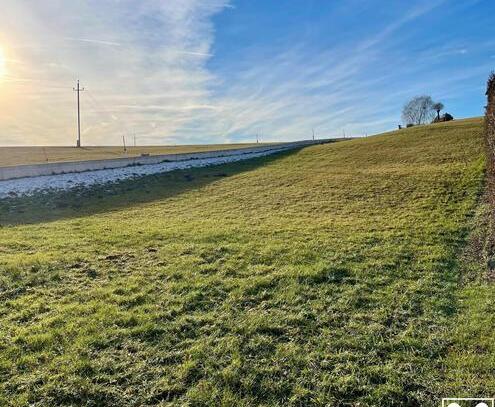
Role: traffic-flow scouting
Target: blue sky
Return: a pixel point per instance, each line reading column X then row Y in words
column 207, row 71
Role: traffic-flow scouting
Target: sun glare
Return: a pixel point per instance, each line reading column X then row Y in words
column 3, row 67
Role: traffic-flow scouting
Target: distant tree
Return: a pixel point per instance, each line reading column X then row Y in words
column 418, row 110
column 438, row 107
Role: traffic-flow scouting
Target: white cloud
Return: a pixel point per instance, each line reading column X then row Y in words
column 93, row 41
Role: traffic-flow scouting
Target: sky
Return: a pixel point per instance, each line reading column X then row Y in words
column 220, row 71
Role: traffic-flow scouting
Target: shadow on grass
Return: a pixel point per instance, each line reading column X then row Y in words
column 83, row 201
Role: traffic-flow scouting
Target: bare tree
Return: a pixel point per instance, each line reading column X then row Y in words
column 419, row 110
column 438, row 107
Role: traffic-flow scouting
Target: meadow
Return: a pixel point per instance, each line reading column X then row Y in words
column 343, row 274
column 10, row 156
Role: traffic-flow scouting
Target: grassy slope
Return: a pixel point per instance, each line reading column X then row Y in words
column 38, row 155
column 470, row 364
column 323, row 277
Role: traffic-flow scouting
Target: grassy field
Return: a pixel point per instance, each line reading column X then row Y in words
column 338, row 275
column 38, row 155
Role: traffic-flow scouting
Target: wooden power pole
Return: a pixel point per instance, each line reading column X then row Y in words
column 78, row 90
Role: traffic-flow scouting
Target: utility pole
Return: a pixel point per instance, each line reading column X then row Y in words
column 313, row 134
column 123, row 141
column 78, row 90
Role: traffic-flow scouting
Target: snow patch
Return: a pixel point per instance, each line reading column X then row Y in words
column 49, row 183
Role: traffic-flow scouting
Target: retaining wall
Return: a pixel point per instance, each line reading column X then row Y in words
column 36, row 170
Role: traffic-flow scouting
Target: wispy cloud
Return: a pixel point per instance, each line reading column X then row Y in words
column 408, row 16
column 92, row 41
column 199, row 54
column 354, row 88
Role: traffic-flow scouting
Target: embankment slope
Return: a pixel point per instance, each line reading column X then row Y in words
column 325, row 276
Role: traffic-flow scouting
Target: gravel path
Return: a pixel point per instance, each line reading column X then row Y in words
column 45, row 184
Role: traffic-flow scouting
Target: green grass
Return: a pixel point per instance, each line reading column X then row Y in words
column 332, row 275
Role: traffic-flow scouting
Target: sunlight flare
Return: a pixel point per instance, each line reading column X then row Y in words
column 3, row 64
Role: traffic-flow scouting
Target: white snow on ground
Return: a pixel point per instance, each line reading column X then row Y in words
column 48, row 183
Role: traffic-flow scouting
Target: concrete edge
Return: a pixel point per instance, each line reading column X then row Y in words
column 36, row 170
